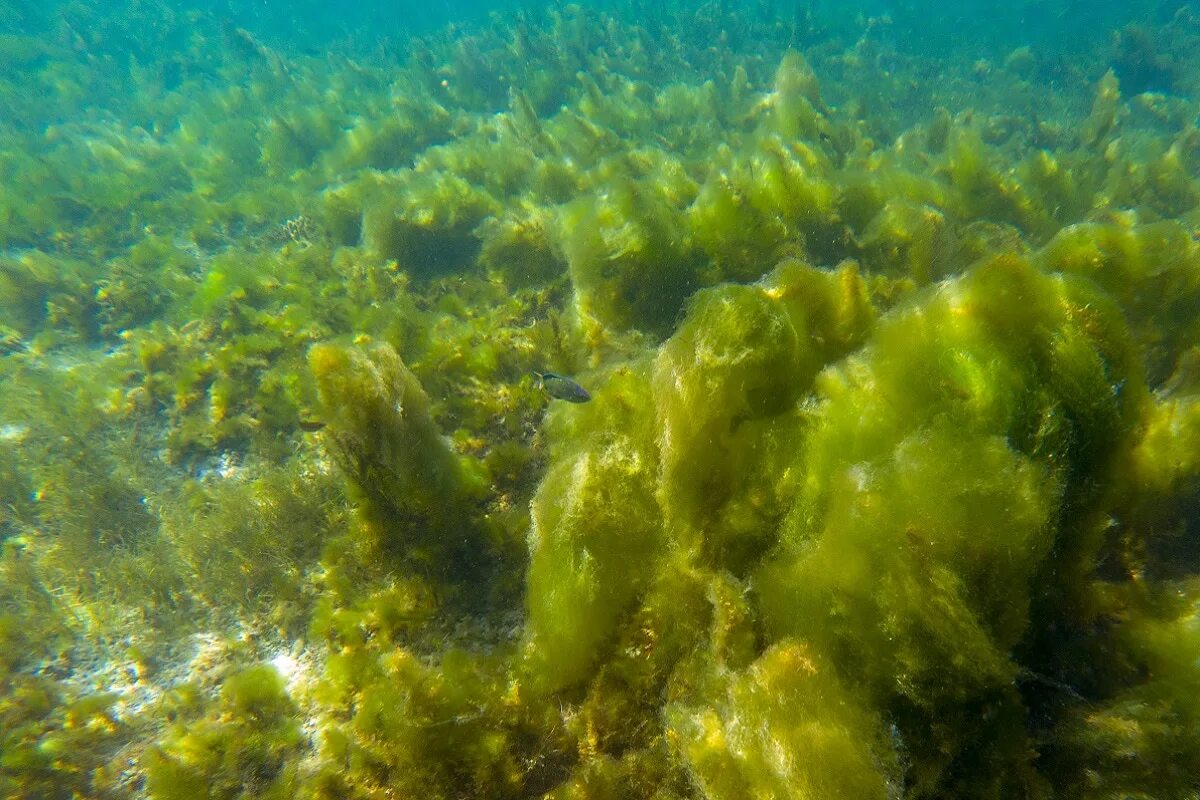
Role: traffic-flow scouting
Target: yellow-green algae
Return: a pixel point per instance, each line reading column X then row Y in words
column 888, row 488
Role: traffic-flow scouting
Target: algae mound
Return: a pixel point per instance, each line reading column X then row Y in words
column 888, row 487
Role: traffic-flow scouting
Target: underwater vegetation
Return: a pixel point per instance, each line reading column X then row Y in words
column 886, row 485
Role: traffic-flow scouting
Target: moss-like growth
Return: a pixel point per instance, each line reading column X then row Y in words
column 870, row 499
column 1030, row 398
column 248, row 541
column 631, row 261
column 1143, row 736
column 418, row 500
column 812, row 738
column 52, row 744
column 595, row 534
column 38, row 291
column 245, row 747
column 726, row 385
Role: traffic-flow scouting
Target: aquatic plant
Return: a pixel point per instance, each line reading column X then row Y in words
column 243, row 749
column 887, row 486
column 416, row 496
column 52, row 745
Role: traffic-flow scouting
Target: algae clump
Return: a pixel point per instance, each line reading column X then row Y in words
column 417, row 497
column 872, row 499
column 939, row 482
column 594, row 536
column 242, row 748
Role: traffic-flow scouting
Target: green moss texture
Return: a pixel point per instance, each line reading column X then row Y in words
column 888, row 487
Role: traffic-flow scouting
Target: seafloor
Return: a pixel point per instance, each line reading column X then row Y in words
column 889, row 486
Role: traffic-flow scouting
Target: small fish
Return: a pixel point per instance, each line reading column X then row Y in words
column 310, row 425
column 563, row 388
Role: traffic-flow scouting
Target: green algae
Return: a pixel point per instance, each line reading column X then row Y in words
column 52, row 745
column 887, row 488
column 965, row 406
column 241, row 750
column 416, row 495
column 594, row 535
column 835, row 746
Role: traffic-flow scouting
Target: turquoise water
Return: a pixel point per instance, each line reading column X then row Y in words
column 627, row 400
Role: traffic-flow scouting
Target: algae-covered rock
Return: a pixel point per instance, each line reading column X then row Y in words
column 1152, row 270
column 772, row 199
column 595, row 535
column 870, row 499
column 795, row 105
column 630, row 258
column 726, row 386
column 244, row 746
column 933, row 495
column 811, row 736
column 1140, row 742
column 417, row 498
column 905, row 239
column 519, row 248
column 422, row 221
column 738, row 359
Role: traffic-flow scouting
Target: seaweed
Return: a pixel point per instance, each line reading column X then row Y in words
column 887, row 488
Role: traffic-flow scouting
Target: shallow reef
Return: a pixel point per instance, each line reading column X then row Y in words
column 889, row 486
